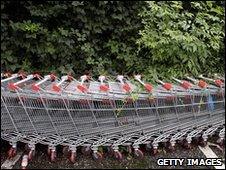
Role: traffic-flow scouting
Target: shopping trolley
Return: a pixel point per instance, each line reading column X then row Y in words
column 91, row 113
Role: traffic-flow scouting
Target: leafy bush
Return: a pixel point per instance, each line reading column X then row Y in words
column 70, row 36
column 183, row 38
column 103, row 37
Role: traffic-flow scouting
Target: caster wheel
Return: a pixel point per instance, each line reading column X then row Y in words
column 110, row 151
column 11, row 152
column 86, row 150
column 171, row 148
column 180, row 142
column 65, row 150
column 203, row 143
column 187, row 145
column 27, row 148
column 154, row 151
column 72, row 157
column 24, row 162
column 138, row 153
column 220, row 142
column 53, row 156
column 97, row 156
column 49, row 151
column 195, row 140
column 148, row 147
column 31, row 154
column 118, row 155
column 129, row 149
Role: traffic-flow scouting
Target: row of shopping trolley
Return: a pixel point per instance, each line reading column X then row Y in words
column 109, row 112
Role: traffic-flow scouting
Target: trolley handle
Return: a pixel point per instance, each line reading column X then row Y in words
column 14, row 86
column 14, row 76
column 56, row 87
column 201, row 83
column 7, row 74
column 125, row 86
column 167, row 86
column 103, row 87
column 81, row 86
column 36, row 86
column 184, row 84
column 219, row 77
column 217, row 82
column 148, row 87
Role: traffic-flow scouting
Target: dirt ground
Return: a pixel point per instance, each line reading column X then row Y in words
column 41, row 159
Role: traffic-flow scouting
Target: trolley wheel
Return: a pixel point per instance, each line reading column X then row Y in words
column 31, row 154
column 26, row 147
column 65, row 150
column 203, row 143
column 49, row 151
column 24, row 162
column 72, row 157
column 138, row 153
column 118, row 155
column 11, row 152
column 148, row 147
column 86, row 150
column 187, row 145
column 53, row 156
column 97, row 156
column 129, row 149
column 110, row 151
column 195, row 140
column 220, row 142
column 154, row 151
column 171, row 148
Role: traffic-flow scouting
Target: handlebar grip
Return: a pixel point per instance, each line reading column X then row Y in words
column 218, row 82
column 12, row 86
column 148, row 87
column 36, row 75
column 35, row 87
column 202, row 84
column 167, row 86
column 126, row 87
column 186, row 85
column 56, row 88
column 104, row 87
column 52, row 76
column 82, row 88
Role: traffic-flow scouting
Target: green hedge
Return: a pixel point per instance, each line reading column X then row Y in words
column 113, row 37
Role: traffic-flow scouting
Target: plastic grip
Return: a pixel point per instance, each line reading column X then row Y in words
column 7, row 74
column 218, row 82
column 36, row 75
column 35, row 87
column 22, row 75
column 185, row 84
column 52, row 77
column 69, row 78
column 12, row 86
column 167, row 86
column 104, row 88
column 148, row 87
column 82, row 88
column 202, row 84
column 126, row 87
column 56, row 88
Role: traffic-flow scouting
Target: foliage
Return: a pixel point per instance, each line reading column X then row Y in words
column 64, row 36
column 183, row 37
column 103, row 37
